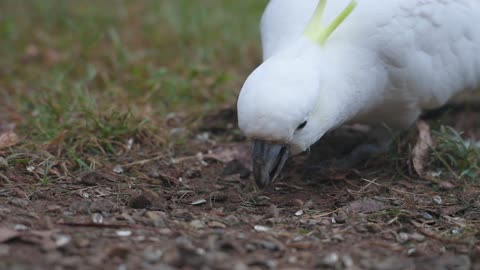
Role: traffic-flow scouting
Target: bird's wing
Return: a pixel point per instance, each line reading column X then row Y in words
column 432, row 49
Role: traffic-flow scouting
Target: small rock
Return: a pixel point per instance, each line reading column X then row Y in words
column 199, row 202
column 118, row 169
column 30, row 168
column 158, row 218
column 20, row 227
column 331, row 259
column 340, row 217
column 123, row 233
column 267, row 245
column 62, row 240
column 402, row 237
column 97, row 218
column 417, row 237
column 197, row 224
column 437, row 199
column 299, row 213
column 347, row 262
column 216, row 225
column 261, row 228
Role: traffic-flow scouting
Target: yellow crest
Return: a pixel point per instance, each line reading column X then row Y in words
column 316, row 31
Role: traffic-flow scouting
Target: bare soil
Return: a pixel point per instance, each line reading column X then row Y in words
column 204, row 212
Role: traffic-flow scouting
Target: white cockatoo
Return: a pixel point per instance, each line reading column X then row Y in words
column 328, row 63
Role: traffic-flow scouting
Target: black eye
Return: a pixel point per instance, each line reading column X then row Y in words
column 302, row 125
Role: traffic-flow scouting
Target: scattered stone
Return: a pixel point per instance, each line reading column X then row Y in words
column 402, row 237
column 62, row 240
column 197, row 224
column 330, row 260
column 20, row 227
column 261, row 228
column 157, row 217
column 118, row 169
column 123, row 233
column 97, row 218
column 437, row 199
column 299, row 213
column 340, row 217
column 216, row 225
column 199, row 202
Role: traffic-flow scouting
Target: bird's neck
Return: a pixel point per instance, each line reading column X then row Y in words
column 353, row 84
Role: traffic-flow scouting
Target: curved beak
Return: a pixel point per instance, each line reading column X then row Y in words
column 268, row 160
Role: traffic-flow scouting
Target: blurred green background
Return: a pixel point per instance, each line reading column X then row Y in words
column 102, row 69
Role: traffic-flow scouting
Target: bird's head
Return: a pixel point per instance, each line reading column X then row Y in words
column 284, row 105
column 282, row 109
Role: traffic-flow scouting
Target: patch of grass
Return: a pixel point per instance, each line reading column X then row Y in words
column 84, row 77
column 454, row 154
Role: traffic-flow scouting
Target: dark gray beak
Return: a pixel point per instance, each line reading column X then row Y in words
column 268, row 160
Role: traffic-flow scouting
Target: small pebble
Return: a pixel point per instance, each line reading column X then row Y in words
column 437, row 199
column 216, row 225
column 124, row 233
column 331, row 259
column 62, row 240
column 20, row 227
column 197, row 224
column 261, row 228
column 402, row 237
column 199, row 202
column 299, row 213
column 97, row 218
column 118, row 169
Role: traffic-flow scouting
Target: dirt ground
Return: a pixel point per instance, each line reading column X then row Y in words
column 203, row 212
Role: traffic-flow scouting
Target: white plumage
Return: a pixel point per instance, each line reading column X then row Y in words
column 387, row 61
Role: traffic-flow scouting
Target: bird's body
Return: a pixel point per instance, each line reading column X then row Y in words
column 386, row 63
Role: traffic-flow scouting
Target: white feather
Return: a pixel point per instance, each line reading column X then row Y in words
column 388, row 61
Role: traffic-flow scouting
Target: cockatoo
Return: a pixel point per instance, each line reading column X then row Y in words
column 329, row 63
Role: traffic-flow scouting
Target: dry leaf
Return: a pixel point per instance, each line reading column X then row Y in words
column 8, row 139
column 420, row 151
